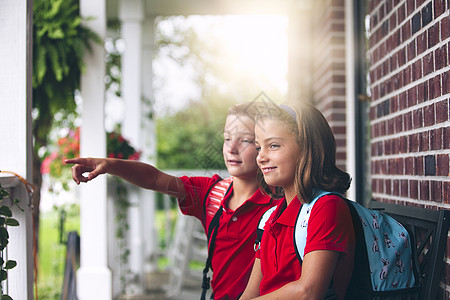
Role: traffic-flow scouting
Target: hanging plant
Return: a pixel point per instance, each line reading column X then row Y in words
column 119, row 147
column 6, row 219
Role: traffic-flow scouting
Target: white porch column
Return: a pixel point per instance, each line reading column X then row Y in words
column 94, row 276
column 131, row 14
column 148, row 203
column 15, row 135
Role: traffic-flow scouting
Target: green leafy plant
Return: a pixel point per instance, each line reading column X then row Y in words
column 6, row 219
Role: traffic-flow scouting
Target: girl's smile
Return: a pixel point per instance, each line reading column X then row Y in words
column 277, row 155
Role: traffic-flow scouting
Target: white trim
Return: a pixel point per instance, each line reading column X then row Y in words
column 350, row 97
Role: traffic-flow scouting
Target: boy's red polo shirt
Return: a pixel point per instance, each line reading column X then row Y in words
column 330, row 228
column 234, row 254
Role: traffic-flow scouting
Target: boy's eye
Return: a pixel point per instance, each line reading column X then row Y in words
column 248, row 141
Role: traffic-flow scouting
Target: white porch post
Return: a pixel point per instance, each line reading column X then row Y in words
column 148, row 203
column 94, row 276
column 15, row 136
column 131, row 14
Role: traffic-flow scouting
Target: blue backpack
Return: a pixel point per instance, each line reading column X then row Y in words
column 383, row 267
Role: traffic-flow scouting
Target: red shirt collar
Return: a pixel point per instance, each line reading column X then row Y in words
column 287, row 215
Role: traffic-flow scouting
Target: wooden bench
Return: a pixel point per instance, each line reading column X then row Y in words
column 428, row 229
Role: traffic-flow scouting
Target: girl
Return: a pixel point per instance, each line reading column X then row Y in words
column 243, row 205
column 297, row 153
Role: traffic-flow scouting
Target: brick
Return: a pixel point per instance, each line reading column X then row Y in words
column 395, row 188
column 442, row 112
column 411, row 50
column 427, row 14
column 388, row 186
column 428, row 115
column 446, row 138
column 388, row 147
column 409, row 165
column 419, row 166
column 414, row 143
column 446, row 193
column 436, row 139
column 430, row 165
column 405, row 32
column 424, row 190
column 409, row 7
column 401, row 13
column 398, row 124
column 407, row 121
column 415, row 23
column 419, row 3
column 442, row 165
column 434, row 87
column 422, row 43
column 433, row 35
column 407, row 75
column 428, row 64
column 402, row 103
column 417, row 118
column 445, row 28
column 436, row 191
column 413, row 189
column 425, row 141
column 445, row 82
column 404, row 188
column 403, row 144
column 391, row 126
column 440, row 57
column 422, row 92
column 417, row 70
column 412, row 96
column 439, row 8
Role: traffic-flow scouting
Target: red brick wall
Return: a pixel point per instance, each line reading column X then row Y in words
column 409, row 48
column 328, row 67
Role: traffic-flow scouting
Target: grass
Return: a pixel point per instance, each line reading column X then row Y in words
column 51, row 258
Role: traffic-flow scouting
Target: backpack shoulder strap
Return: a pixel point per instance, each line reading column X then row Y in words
column 260, row 228
column 216, row 194
column 301, row 224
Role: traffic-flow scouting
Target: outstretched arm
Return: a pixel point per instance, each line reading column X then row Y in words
column 135, row 172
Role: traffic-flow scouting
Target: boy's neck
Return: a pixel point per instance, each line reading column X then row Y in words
column 242, row 190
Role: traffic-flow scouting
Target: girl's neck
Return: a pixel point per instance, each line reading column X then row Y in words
column 289, row 194
column 243, row 189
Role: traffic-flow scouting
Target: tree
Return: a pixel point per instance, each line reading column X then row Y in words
column 59, row 43
column 193, row 138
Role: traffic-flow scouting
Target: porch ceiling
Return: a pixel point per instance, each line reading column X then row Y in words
column 209, row 7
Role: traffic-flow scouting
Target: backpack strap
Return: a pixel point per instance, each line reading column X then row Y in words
column 301, row 224
column 301, row 231
column 217, row 191
column 260, row 228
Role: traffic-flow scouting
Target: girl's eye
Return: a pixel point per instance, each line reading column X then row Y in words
column 274, row 146
column 258, row 148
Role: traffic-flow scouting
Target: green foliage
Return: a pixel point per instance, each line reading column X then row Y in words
column 192, row 138
column 59, row 43
column 6, row 219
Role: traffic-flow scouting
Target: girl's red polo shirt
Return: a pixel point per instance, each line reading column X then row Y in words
column 330, row 228
column 234, row 254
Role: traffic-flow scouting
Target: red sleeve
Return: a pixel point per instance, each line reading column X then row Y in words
column 196, row 189
column 330, row 226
